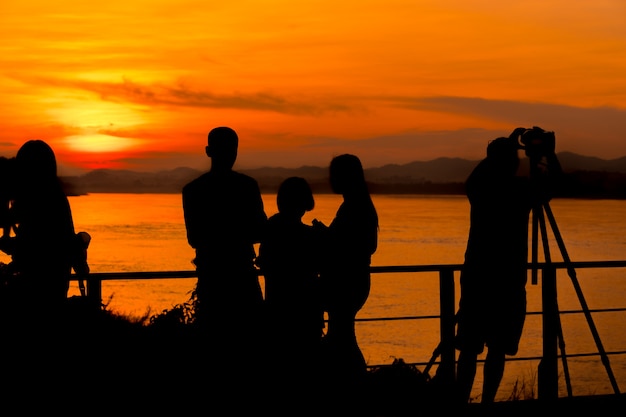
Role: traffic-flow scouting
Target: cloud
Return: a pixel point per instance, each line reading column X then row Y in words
column 592, row 131
column 181, row 95
column 376, row 151
column 604, row 120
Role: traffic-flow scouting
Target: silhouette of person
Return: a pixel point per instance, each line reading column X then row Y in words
column 289, row 261
column 41, row 250
column 492, row 305
column 224, row 217
column 348, row 243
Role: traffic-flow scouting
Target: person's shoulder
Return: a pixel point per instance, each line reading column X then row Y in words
column 242, row 176
column 196, row 182
column 482, row 166
column 245, row 179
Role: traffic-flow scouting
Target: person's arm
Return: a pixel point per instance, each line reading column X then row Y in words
column 188, row 215
column 258, row 216
column 549, row 181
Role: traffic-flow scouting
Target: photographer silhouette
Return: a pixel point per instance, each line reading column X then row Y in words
column 492, row 306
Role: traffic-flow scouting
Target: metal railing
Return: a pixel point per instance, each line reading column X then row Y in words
column 445, row 355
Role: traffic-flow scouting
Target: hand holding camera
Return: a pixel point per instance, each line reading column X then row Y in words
column 535, row 141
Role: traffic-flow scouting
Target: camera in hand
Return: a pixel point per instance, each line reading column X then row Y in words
column 537, row 142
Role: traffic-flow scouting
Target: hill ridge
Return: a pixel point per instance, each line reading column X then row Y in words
column 587, row 176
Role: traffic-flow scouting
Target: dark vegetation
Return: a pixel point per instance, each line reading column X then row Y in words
column 95, row 358
column 593, row 184
column 88, row 358
column 95, row 361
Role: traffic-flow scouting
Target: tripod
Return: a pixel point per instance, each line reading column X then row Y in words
column 552, row 322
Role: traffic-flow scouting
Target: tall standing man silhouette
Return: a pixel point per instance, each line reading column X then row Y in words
column 224, row 218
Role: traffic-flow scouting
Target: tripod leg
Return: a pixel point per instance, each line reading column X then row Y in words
column 537, row 213
column 568, row 382
column 548, row 367
column 572, row 274
column 557, row 318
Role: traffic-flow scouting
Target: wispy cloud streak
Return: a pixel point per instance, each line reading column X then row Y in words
column 609, row 120
column 182, row 95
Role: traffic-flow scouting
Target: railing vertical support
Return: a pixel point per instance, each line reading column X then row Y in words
column 547, row 373
column 94, row 289
column 447, row 325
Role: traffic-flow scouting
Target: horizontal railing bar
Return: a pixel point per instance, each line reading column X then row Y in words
column 399, row 318
column 593, row 310
column 144, row 275
column 96, row 278
column 516, row 359
column 530, row 313
column 104, row 276
column 107, row 276
column 458, row 267
column 568, row 356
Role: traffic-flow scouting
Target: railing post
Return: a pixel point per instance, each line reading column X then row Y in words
column 447, row 325
column 547, row 373
column 94, row 289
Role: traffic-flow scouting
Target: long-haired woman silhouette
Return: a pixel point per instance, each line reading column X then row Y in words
column 350, row 241
column 45, row 230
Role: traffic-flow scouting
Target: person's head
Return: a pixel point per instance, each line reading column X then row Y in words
column 295, row 196
column 222, row 147
column 346, row 174
column 35, row 160
column 503, row 153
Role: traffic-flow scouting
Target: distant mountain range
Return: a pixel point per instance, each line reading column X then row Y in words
column 584, row 177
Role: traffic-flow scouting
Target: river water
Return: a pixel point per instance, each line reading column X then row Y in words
column 145, row 232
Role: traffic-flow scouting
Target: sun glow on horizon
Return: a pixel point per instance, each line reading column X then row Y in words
column 96, row 143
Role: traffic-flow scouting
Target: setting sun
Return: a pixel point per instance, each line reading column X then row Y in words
column 100, row 143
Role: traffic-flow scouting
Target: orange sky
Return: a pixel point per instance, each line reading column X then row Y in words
column 138, row 84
